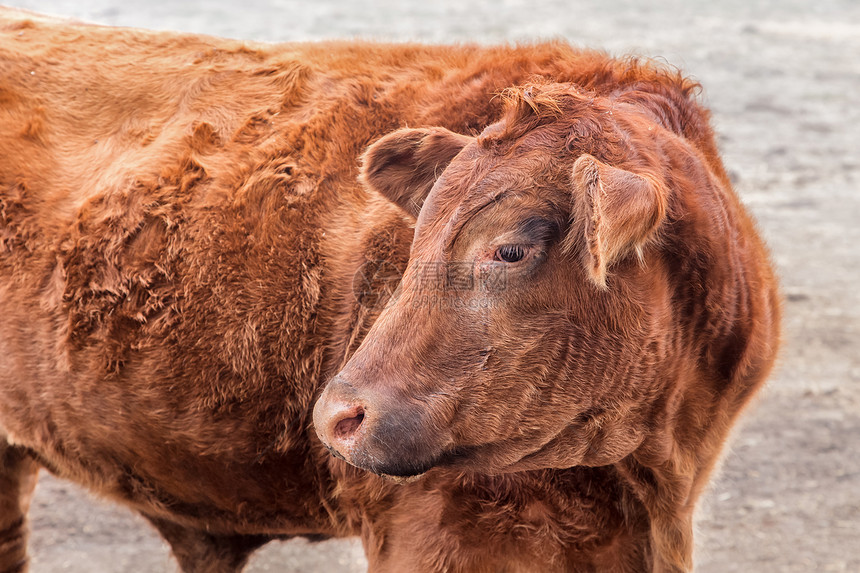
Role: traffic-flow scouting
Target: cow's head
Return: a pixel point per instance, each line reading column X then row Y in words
column 526, row 330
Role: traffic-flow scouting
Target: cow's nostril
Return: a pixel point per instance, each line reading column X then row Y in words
column 346, row 428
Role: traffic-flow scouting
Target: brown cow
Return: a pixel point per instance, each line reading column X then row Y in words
column 189, row 255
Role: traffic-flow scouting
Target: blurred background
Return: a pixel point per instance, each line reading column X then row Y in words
column 783, row 81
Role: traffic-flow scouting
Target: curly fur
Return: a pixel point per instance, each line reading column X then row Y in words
column 181, row 222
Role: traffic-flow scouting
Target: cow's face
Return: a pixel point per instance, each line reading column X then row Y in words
column 525, row 331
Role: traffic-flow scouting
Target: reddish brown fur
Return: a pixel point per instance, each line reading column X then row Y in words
column 181, row 221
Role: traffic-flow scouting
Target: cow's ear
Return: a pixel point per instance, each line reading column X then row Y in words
column 404, row 165
column 618, row 211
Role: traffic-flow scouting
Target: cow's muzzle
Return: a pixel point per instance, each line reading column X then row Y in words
column 375, row 431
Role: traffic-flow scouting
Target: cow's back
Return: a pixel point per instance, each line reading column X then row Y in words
column 160, row 270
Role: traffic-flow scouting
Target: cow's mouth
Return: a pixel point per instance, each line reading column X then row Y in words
column 402, row 479
column 400, row 472
column 411, row 471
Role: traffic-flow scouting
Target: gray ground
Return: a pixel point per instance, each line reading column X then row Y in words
column 783, row 80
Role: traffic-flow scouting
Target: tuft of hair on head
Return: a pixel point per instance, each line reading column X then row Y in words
column 525, row 108
column 531, row 97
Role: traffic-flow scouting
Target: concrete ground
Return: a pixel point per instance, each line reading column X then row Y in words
column 783, row 80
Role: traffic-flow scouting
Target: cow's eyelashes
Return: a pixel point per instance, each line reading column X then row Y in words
column 510, row 253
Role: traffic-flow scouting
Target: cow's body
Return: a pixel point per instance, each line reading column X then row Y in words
column 181, row 228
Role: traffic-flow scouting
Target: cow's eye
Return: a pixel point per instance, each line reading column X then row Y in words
column 510, row 253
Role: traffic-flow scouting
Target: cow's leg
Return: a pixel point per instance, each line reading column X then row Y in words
column 201, row 552
column 18, row 472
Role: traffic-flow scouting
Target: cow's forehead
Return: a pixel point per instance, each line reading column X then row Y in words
column 476, row 179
